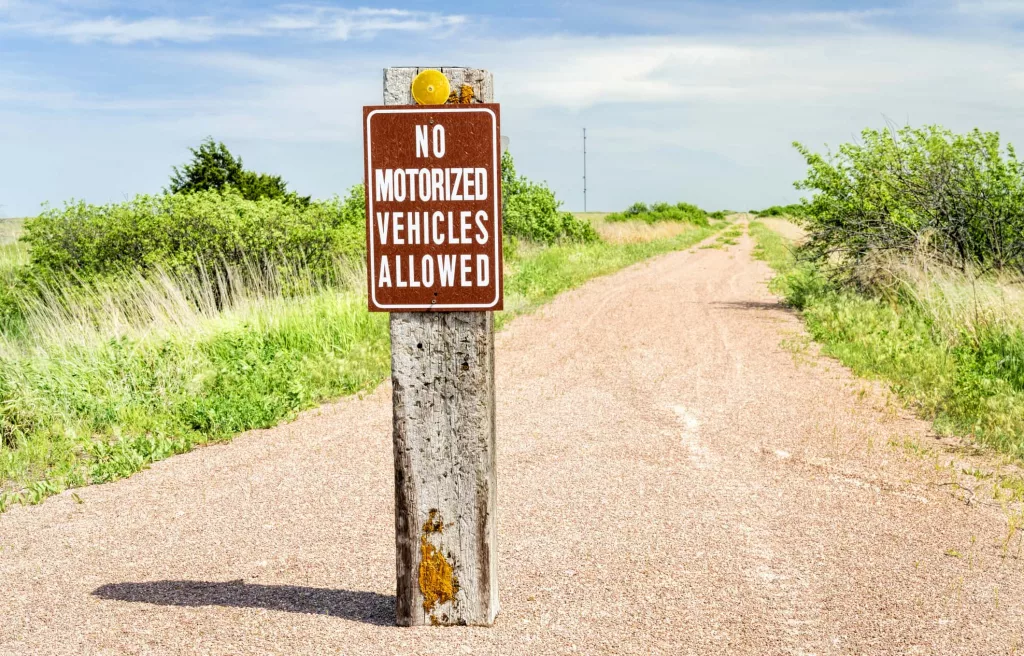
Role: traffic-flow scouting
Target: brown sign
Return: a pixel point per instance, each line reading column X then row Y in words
column 433, row 208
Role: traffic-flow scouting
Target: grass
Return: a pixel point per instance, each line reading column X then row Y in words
column 12, row 254
column 729, row 237
column 631, row 232
column 10, row 230
column 950, row 345
column 111, row 379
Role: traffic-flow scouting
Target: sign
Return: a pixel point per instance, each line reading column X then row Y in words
column 433, row 208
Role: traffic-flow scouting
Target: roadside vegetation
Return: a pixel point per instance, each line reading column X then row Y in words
column 630, row 232
column 658, row 212
column 133, row 331
column 10, row 229
column 792, row 210
column 912, row 272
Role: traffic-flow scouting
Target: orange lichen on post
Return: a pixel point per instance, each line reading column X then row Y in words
column 437, row 580
column 463, row 97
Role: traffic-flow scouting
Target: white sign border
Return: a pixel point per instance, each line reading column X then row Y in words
column 497, row 210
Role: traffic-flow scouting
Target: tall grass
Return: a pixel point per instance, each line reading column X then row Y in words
column 10, row 230
column 13, row 257
column 87, row 396
column 12, row 254
column 632, row 232
column 961, row 302
column 108, row 377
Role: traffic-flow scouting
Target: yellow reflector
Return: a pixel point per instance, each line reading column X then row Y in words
column 431, row 88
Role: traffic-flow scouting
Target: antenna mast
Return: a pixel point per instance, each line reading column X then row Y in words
column 584, row 169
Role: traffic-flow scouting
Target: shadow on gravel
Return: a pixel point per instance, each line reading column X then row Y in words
column 368, row 607
column 753, row 305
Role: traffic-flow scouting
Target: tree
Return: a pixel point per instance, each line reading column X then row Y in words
column 214, row 167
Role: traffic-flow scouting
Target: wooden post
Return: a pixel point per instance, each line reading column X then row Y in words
column 442, row 373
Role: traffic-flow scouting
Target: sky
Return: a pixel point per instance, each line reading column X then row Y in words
column 694, row 101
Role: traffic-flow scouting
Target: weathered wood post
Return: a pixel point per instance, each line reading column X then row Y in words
column 442, row 372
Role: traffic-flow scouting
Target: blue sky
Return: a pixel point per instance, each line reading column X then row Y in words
column 695, row 101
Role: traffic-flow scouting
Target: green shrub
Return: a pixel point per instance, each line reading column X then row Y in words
column 636, row 209
column 532, row 212
column 793, row 209
column 692, row 214
column 214, row 168
column 179, row 231
column 957, row 196
column 682, row 212
column 217, row 225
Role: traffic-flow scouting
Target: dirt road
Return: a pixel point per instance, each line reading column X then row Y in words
column 679, row 474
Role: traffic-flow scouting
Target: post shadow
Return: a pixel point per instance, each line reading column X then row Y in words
column 356, row 605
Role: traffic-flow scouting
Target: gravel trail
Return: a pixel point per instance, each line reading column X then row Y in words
column 679, row 473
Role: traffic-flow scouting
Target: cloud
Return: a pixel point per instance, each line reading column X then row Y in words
column 704, row 118
column 121, row 32
column 991, row 8
column 323, row 23
column 854, row 19
column 882, row 69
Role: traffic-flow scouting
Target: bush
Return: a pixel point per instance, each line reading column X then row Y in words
column 532, row 212
column 683, row 212
column 183, row 231
column 955, row 196
column 793, row 209
column 210, row 223
column 636, row 209
column 214, row 168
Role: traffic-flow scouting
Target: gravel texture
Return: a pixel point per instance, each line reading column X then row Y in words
column 679, row 474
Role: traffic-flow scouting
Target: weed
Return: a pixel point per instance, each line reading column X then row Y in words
column 1014, row 522
column 977, row 473
column 911, row 447
column 1013, row 486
